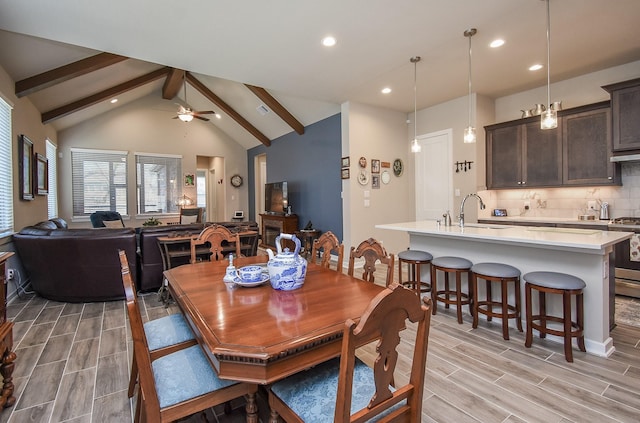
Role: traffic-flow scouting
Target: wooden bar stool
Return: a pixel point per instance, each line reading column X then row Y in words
column 555, row 283
column 457, row 266
column 415, row 259
column 504, row 274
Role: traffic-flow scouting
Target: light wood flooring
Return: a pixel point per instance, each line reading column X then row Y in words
column 73, row 366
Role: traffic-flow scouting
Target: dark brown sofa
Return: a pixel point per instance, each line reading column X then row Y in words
column 149, row 257
column 75, row 265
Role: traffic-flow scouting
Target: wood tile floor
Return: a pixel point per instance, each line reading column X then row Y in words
column 73, row 366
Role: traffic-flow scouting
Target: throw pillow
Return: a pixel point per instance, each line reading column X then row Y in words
column 113, row 224
column 186, row 220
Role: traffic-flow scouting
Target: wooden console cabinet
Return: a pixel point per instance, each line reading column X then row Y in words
column 8, row 357
column 273, row 225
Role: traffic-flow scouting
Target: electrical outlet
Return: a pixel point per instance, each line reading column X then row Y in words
column 527, row 205
column 591, row 205
column 10, row 274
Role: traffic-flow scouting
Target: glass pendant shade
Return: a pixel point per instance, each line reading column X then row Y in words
column 415, row 147
column 549, row 119
column 469, row 135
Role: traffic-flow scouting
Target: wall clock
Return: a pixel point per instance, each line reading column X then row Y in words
column 363, row 177
column 398, row 167
column 236, row 181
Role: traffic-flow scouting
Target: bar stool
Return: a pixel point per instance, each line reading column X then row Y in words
column 415, row 259
column 555, row 283
column 504, row 274
column 457, row 266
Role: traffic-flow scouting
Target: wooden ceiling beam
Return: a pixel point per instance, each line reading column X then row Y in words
column 64, row 73
column 278, row 108
column 173, row 83
column 227, row 109
column 103, row 95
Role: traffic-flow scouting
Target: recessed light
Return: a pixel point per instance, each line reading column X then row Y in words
column 496, row 43
column 114, row 100
column 218, row 116
column 329, row 41
column 535, row 67
column 386, row 90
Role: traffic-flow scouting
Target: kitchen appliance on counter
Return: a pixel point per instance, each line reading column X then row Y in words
column 604, row 211
column 627, row 257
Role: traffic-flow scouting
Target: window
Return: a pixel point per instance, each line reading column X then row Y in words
column 99, row 181
column 6, row 180
column 52, row 196
column 158, row 183
column 201, row 188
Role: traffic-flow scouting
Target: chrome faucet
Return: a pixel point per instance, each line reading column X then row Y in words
column 464, row 200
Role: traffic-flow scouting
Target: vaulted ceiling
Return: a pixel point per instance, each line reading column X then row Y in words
column 242, row 56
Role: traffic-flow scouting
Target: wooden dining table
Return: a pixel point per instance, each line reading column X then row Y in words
column 259, row 334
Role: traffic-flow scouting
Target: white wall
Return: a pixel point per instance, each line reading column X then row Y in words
column 147, row 126
column 376, row 133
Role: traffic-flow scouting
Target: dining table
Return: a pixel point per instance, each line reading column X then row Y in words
column 257, row 334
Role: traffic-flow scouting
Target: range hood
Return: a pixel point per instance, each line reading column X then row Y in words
column 626, row 158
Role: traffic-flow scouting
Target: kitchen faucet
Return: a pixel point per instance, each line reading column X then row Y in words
column 464, row 200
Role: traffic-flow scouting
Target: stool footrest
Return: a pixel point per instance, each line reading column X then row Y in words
column 557, row 332
column 483, row 307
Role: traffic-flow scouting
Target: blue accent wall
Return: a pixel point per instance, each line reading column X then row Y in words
column 310, row 163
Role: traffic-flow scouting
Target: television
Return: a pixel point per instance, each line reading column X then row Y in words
column 276, row 197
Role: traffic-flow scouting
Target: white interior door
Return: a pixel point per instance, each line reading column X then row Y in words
column 433, row 176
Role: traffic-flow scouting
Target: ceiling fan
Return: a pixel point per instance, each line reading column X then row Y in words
column 185, row 114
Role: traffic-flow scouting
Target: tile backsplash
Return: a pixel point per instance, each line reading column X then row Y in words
column 569, row 202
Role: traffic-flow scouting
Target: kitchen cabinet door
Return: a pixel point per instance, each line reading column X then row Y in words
column 586, row 138
column 504, row 157
column 542, row 155
column 625, row 108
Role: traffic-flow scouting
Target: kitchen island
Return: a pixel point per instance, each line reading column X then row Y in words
column 584, row 253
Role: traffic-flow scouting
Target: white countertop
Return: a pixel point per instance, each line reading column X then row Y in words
column 553, row 220
column 591, row 241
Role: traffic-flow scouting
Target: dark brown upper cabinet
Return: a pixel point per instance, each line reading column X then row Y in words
column 625, row 114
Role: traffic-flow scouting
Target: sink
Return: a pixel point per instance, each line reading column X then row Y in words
column 481, row 226
column 564, row 230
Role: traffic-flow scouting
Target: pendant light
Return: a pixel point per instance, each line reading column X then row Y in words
column 470, row 131
column 415, row 147
column 549, row 118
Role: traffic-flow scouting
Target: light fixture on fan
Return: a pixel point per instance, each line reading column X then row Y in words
column 415, row 147
column 184, row 201
column 549, row 119
column 470, row 131
column 185, row 116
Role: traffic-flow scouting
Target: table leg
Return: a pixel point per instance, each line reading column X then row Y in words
column 6, row 369
column 252, row 408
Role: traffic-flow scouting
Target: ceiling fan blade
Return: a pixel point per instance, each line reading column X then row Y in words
column 205, row 112
column 201, row 118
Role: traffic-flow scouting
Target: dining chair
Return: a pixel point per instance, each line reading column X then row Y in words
column 372, row 251
column 328, row 243
column 164, row 335
column 189, row 215
column 178, row 384
column 345, row 389
column 222, row 242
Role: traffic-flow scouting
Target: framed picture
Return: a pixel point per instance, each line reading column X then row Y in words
column 344, row 173
column 42, row 175
column 189, row 180
column 375, row 181
column 345, row 162
column 25, row 157
column 375, row 166
column 385, row 164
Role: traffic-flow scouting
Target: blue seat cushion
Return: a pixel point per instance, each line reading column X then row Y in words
column 166, row 331
column 183, row 375
column 554, row 280
column 451, row 262
column 496, row 270
column 415, row 255
column 312, row 394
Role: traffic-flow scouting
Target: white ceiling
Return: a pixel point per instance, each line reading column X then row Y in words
column 276, row 45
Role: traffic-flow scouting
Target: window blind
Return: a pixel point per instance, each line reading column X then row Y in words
column 6, row 172
column 52, row 196
column 99, row 181
column 158, row 183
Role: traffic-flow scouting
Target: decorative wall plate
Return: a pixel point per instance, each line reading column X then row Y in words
column 362, row 162
column 398, row 167
column 385, row 177
column 363, row 177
